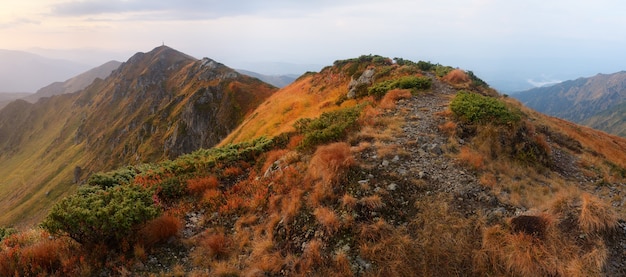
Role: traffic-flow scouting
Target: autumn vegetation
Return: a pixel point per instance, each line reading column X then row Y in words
column 298, row 201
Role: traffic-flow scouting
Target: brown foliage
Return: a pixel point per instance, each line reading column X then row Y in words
column 448, row 128
column 595, row 215
column 327, row 218
column 550, row 244
column 328, row 166
column 390, row 99
column 330, row 162
column 197, row 186
column 217, row 245
column 160, row 229
column 372, row 202
column 471, row 158
column 456, row 77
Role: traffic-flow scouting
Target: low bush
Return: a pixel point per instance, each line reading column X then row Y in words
column 475, row 108
column 329, row 127
column 108, row 216
column 379, row 90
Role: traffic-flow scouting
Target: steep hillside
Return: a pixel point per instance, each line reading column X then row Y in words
column 582, row 99
column 611, row 120
column 75, row 83
column 156, row 105
column 27, row 72
column 382, row 169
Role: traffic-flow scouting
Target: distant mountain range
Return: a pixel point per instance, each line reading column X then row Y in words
column 598, row 102
column 75, row 83
column 279, row 81
column 26, row 72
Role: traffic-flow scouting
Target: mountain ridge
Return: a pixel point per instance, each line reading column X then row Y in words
column 369, row 167
column 158, row 104
column 581, row 99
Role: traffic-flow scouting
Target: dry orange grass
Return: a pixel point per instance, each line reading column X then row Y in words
column 160, row 229
column 327, row 167
column 390, row 99
column 550, row 244
column 348, row 201
column 488, row 180
column 232, row 171
column 589, row 212
column 330, row 162
column 272, row 157
column 198, row 186
column 217, row 246
column 595, row 215
column 456, row 77
column 372, row 202
column 327, row 218
column 448, row 128
column 472, row 158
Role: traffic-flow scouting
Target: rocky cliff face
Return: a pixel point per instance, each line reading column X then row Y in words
column 156, row 105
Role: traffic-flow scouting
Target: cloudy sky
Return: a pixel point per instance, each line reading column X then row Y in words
column 535, row 41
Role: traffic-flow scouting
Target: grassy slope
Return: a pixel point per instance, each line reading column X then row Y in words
column 300, row 213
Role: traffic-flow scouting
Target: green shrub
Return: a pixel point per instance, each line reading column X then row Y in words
column 379, row 89
column 329, row 127
column 425, row 66
column 477, row 81
column 171, row 189
column 442, row 70
column 94, row 215
column 117, row 177
column 414, row 82
column 475, row 108
column 6, row 231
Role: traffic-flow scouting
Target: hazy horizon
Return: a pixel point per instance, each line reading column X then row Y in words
column 526, row 43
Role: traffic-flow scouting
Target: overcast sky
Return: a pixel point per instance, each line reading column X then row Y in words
column 534, row 40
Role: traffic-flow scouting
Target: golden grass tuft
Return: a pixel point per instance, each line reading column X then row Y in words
column 328, row 166
column 595, row 215
column 448, row 128
column 550, row 244
column 328, row 219
column 472, row 158
column 197, row 186
column 218, row 245
column 488, row 180
column 330, row 162
column 456, row 77
column 160, row 229
column 392, row 96
column 372, row 202
column 348, row 201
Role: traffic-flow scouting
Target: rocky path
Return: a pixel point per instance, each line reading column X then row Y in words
column 424, row 157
